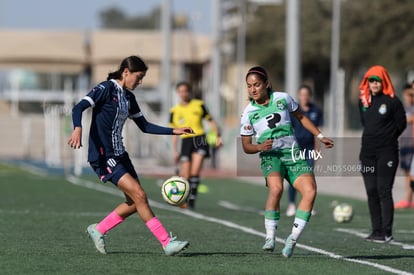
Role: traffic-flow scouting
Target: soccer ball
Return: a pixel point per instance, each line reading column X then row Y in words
column 175, row 190
column 343, row 213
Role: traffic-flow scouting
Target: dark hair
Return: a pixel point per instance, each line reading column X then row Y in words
column 132, row 63
column 307, row 87
column 259, row 71
column 184, row 83
column 408, row 86
column 262, row 74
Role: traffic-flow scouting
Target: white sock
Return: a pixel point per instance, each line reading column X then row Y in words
column 298, row 226
column 271, row 226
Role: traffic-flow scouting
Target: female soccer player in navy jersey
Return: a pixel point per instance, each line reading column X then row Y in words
column 113, row 102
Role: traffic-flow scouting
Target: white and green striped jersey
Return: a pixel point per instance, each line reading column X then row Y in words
column 271, row 121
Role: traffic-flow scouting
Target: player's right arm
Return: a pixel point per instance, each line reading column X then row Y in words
column 94, row 96
column 250, row 148
column 75, row 140
column 247, row 132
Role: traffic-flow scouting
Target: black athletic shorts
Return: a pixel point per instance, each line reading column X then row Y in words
column 197, row 144
column 113, row 169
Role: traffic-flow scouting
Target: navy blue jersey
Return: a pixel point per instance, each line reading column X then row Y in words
column 304, row 137
column 112, row 105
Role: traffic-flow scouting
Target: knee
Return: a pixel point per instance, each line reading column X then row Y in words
column 309, row 191
column 276, row 191
column 139, row 196
column 129, row 201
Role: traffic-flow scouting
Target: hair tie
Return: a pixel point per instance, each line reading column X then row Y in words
column 258, row 72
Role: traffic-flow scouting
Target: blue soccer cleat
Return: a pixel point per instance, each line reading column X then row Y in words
column 174, row 246
column 269, row 245
column 97, row 238
column 290, row 244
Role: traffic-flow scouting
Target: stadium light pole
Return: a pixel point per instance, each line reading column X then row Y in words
column 165, row 86
column 336, row 95
column 241, row 55
column 241, row 45
column 216, row 59
column 293, row 60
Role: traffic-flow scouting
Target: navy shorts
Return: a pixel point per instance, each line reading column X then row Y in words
column 113, row 169
column 406, row 155
column 197, row 144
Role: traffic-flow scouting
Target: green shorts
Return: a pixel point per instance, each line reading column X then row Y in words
column 282, row 162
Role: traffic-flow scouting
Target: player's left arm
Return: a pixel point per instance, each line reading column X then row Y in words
column 150, row 128
column 308, row 124
column 399, row 117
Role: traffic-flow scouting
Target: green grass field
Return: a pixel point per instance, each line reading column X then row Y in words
column 43, row 219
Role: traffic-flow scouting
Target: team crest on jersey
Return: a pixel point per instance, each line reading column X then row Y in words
column 247, row 127
column 382, row 109
column 280, row 105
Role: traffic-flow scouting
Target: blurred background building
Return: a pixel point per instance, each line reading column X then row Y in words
column 327, row 44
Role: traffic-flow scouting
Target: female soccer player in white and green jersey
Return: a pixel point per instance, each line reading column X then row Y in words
column 266, row 117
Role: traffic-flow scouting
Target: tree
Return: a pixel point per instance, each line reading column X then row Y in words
column 378, row 32
column 372, row 32
column 115, row 18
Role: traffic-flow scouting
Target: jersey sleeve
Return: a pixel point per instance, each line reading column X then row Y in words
column 77, row 112
column 206, row 114
column 361, row 113
column 292, row 105
column 97, row 94
column 246, row 127
column 171, row 118
column 134, row 109
column 94, row 96
column 399, row 116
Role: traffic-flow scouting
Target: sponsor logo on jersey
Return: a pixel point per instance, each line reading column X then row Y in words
column 382, row 109
column 256, row 116
column 280, row 105
column 390, row 163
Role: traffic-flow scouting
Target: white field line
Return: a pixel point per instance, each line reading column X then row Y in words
column 363, row 235
column 360, row 234
column 34, row 170
column 232, row 206
column 248, row 230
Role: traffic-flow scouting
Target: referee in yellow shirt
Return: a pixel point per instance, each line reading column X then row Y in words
column 190, row 112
